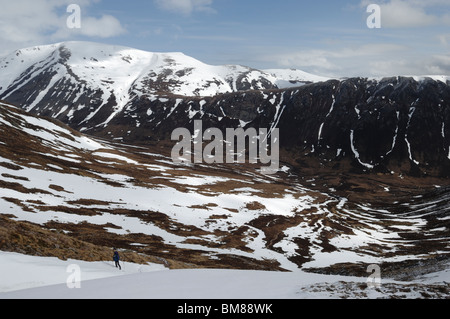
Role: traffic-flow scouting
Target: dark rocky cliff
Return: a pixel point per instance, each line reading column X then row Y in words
column 378, row 125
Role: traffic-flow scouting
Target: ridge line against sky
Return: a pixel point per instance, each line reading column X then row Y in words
column 324, row 37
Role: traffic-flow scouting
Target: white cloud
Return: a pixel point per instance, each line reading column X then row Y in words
column 348, row 61
column 401, row 14
column 422, row 65
column 25, row 23
column 378, row 59
column 411, row 13
column 438, row 64
column 308, row 58
column 444, row 39
column 185, row 7
column 105, row 27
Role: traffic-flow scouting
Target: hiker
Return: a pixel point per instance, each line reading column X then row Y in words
column 116, row 259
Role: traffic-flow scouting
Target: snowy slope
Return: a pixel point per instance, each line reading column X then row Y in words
column 20, row 272
column 46, row 278
column 286, row 78
column 52, row 135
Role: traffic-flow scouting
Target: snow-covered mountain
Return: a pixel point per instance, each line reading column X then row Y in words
column 91, row 78
column 131, row 95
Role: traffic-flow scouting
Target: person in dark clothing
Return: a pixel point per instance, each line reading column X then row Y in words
column 116, row 259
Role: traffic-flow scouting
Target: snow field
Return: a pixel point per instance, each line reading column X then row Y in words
column 46, row 278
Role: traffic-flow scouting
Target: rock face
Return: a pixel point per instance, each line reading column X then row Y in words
column 379, row 125
column 130, row 95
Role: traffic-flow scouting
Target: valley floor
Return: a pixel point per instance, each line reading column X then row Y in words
column 27, row 277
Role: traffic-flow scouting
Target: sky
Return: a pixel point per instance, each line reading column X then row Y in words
column 324, row 37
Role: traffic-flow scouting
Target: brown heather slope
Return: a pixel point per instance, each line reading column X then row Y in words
column 338, row 209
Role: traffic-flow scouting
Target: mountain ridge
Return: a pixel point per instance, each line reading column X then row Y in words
column 396, row 124
column 118, row 75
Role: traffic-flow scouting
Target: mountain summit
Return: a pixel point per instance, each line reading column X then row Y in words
column 92, row 79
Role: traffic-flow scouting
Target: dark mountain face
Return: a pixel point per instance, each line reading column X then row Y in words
column 391, row 125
